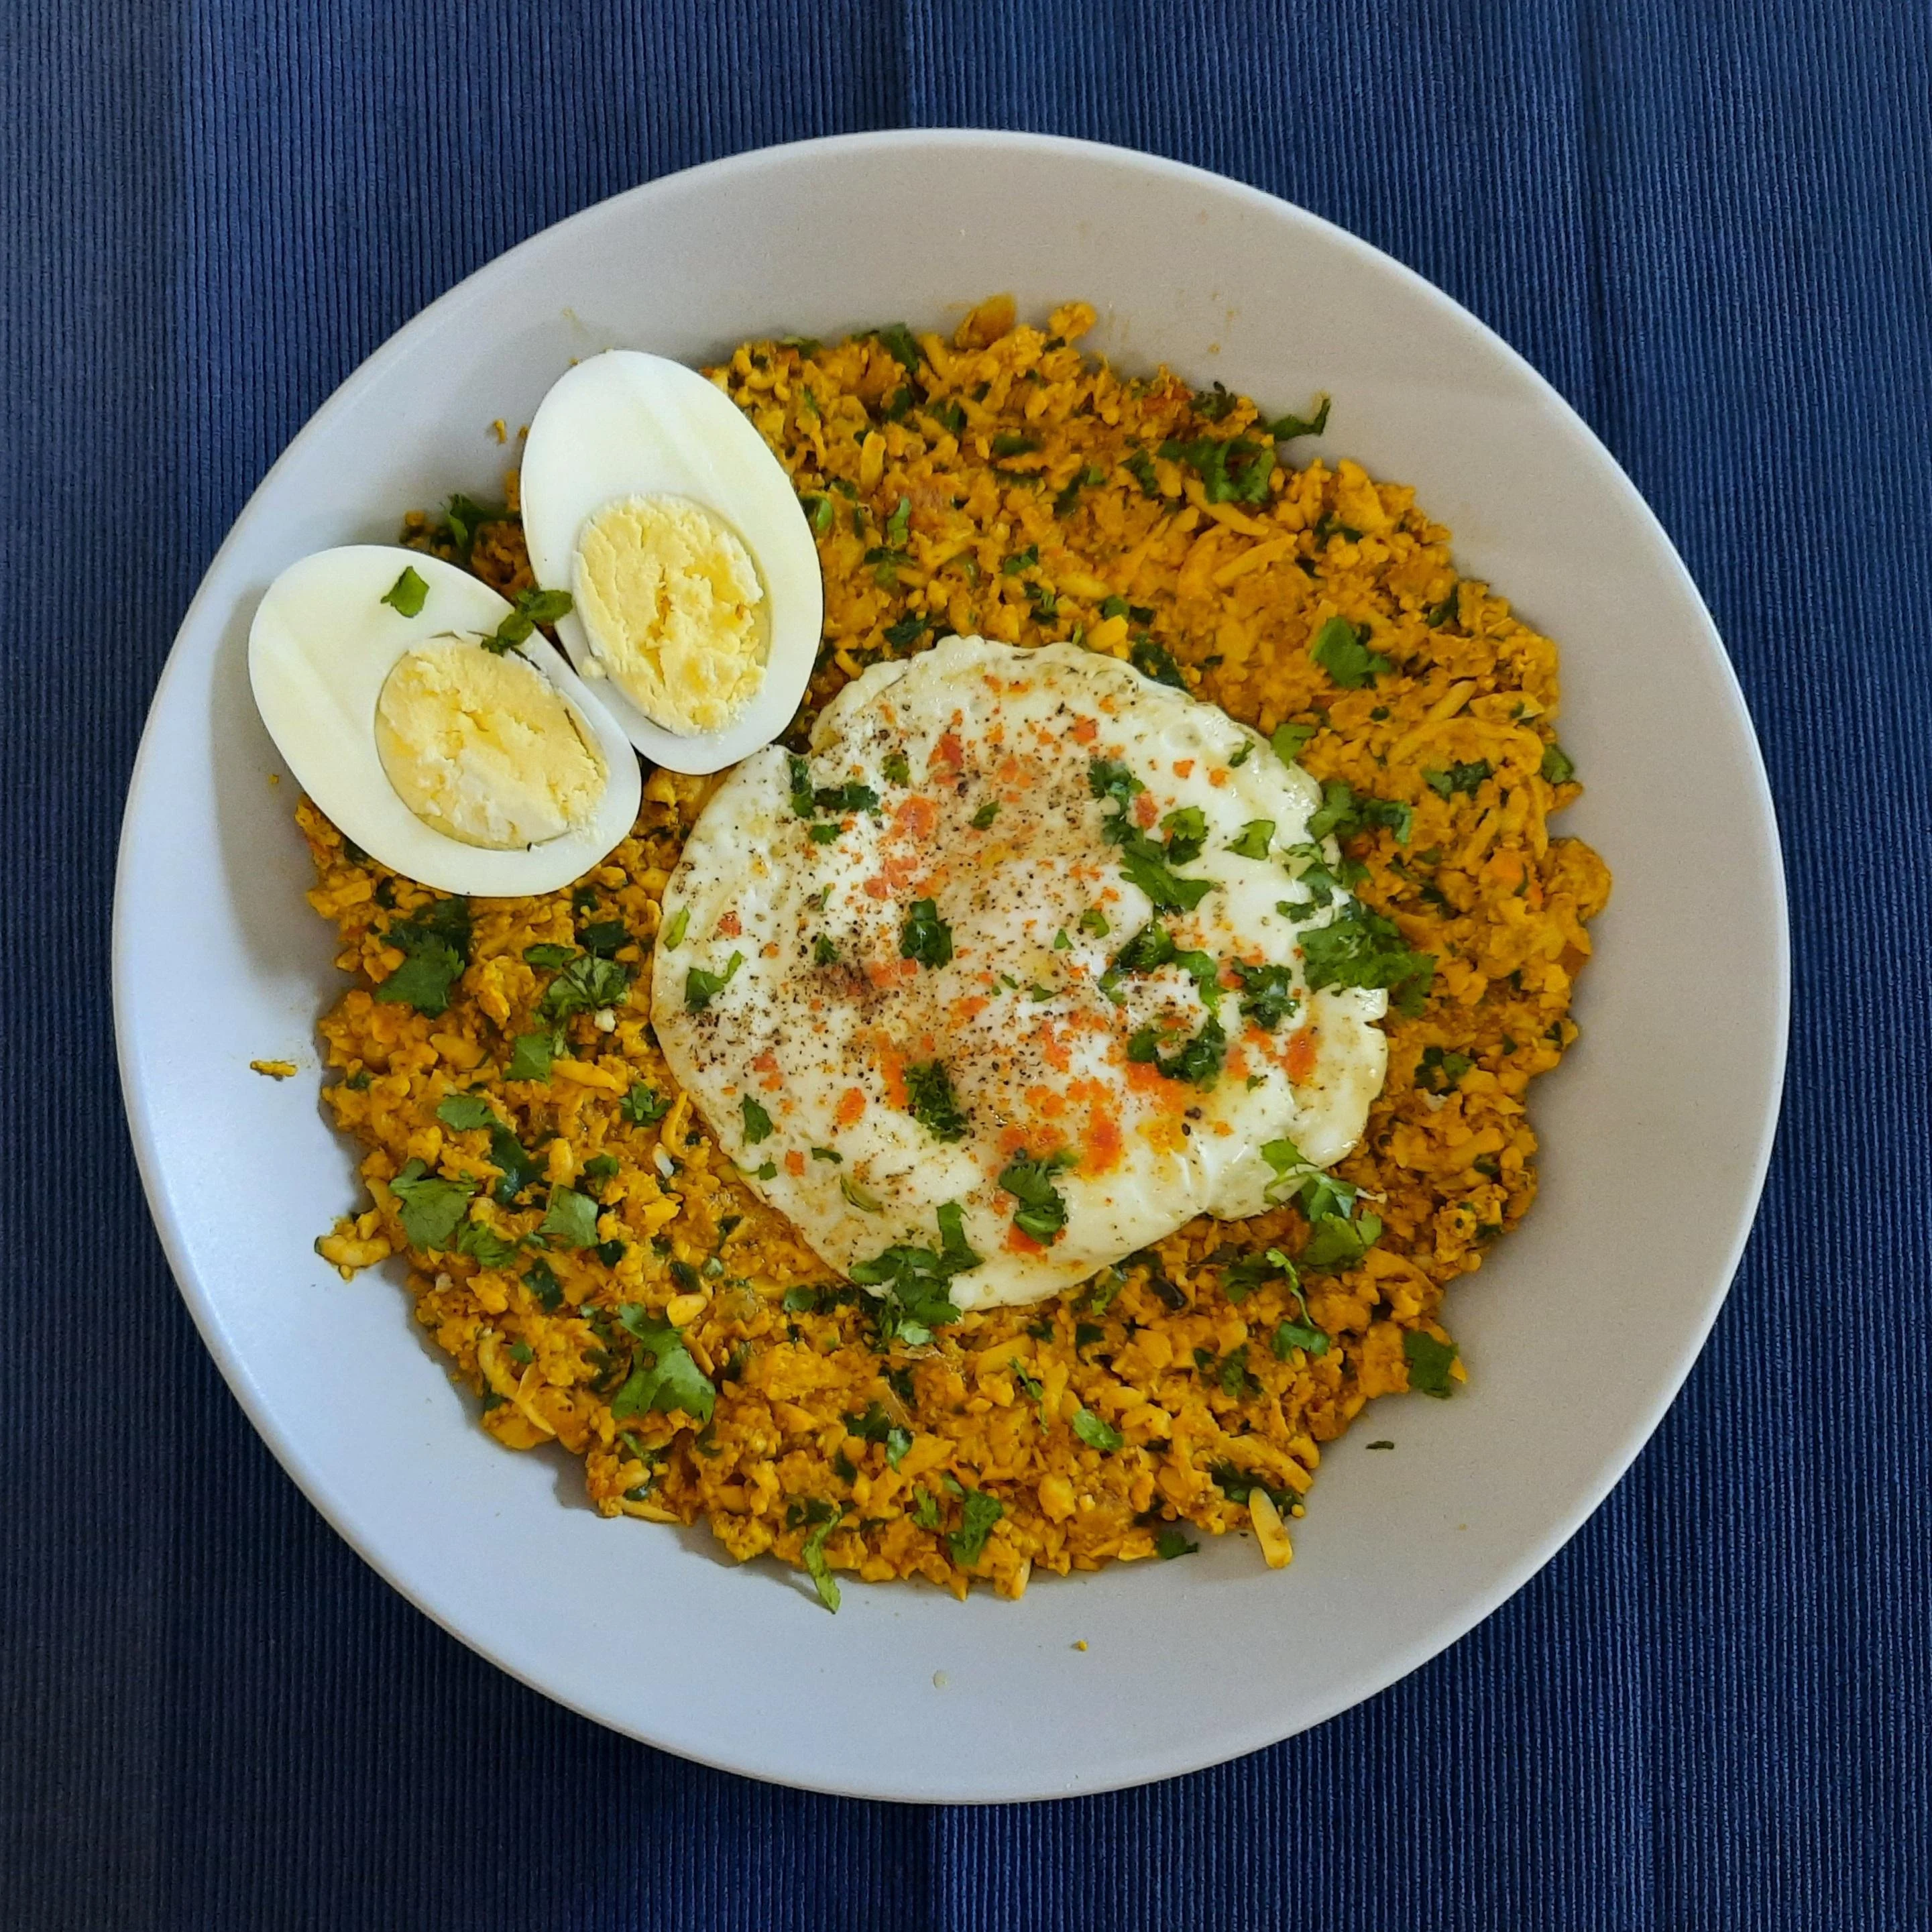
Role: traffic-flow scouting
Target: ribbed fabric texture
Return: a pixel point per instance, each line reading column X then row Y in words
column 1707, row 225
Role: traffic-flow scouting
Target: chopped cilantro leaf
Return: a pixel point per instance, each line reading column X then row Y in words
column 850, row 796
column 1042, row 1212
column 1344, row 813
column 932, row 1102
column 1235, row 471
column 1172, row 1542
column 1286, row 429
column 978, row 1513
column 897, row 768
column 1360, row 947
column 1343, row 652
column 1094, row 1431
column 758, row 1122
column 924, row 1509
column 824, row 953
column 831, row 1154
column 1557, row 767
column 465, row 517
column 1157, row 662
column 1014, row 442
column 1440, row 1071
column 548, row 958
column 408, row 594
column 435, row 942
column 1302, row 1335
column 589, row 982
column 675, row 929
column 1267, row 994
column 570, row 1221
column 540, row 1278
column 487, row 1247
column 1139, row 466
column 1197, row 1060
column 986, row 814
column 605, row 936
column 824, row 833
column 1143, row 864
column 925, row 936
column 1186, row 829
column 531, row 1057
column 528, row 609
column 1253, row 842
column 1094, row 920
column 669, row 1380
column 799, row 1300
column 1429, row 1363
column 1463, row 778
column 430, row 1207
column 899, row 343
column 643, row 1104
column 1290, row 740
column 915, row 1280
column 701, row 988
column 465, row 1112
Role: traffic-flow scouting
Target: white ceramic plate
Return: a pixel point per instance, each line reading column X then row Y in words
column 1656, row 1130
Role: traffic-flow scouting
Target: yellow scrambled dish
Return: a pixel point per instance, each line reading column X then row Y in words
column 599, row 1272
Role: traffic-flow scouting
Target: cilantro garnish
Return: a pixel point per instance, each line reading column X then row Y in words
column 811, row 1554
column 1429, row 1363
column 758, row 1122
column 531, row 1057
column 1042, row 1212
column 540, row 1278
column 1094, row 1431
column 669, row 1380
column 570, row 1221
column 466, row 518
column 1286, row 428
column 899, row 342
column 1156, row 662
column 916, row 1279
column 1139, row 466
column 1290, row 740
column 1107, row 779
column 1197, row 1060
column 1461, row 778
column 1143, row 864
column 1360, row 947
column 435, row 941
column 925, row 936
column 1094, row 920
column 701, row 988
column 1235, row 471
column 978, row 1513
column 896, row 767
column 1341, row 650
column 1172, row 1542
column 605, row 936
column 408, row 594
column 547, row 958
column 850, row 796
column 932, row 1102
column 986, row 814
column 876, row 1425
column 1267, row 994
column 1557, row 768
column 429, row 1206
column 529, row 608
column 643, row 1104
column 1440, row 1071
column 1344, row 813
column 1254, row 839
column 1186, row 829
column 1152, row 948
column 464, row 1112
column 487, row 1247
column 589, row 982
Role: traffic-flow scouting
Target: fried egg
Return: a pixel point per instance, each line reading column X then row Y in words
column 1018, row 945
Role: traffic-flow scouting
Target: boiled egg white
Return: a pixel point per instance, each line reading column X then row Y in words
column 961, row 789
column 648, row 495
column 493, row 774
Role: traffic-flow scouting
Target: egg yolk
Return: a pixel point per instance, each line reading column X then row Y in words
column 484, row 748
column 670, row 600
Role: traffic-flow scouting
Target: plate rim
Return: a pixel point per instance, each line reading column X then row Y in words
column 311, row 1480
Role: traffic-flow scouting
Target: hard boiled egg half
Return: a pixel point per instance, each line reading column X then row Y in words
column 456, row 757
column 648, row 495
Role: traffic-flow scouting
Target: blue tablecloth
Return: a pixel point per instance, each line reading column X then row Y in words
column 1707, row 224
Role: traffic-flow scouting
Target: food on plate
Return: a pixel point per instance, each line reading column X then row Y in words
column 604, row 1219
column 421, row 711
column 1024, row 932
column 697, row 598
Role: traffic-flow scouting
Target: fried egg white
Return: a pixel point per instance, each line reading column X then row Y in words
column 972, row 788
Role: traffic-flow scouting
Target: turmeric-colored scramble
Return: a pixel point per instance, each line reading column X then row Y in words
column 595, row 1269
